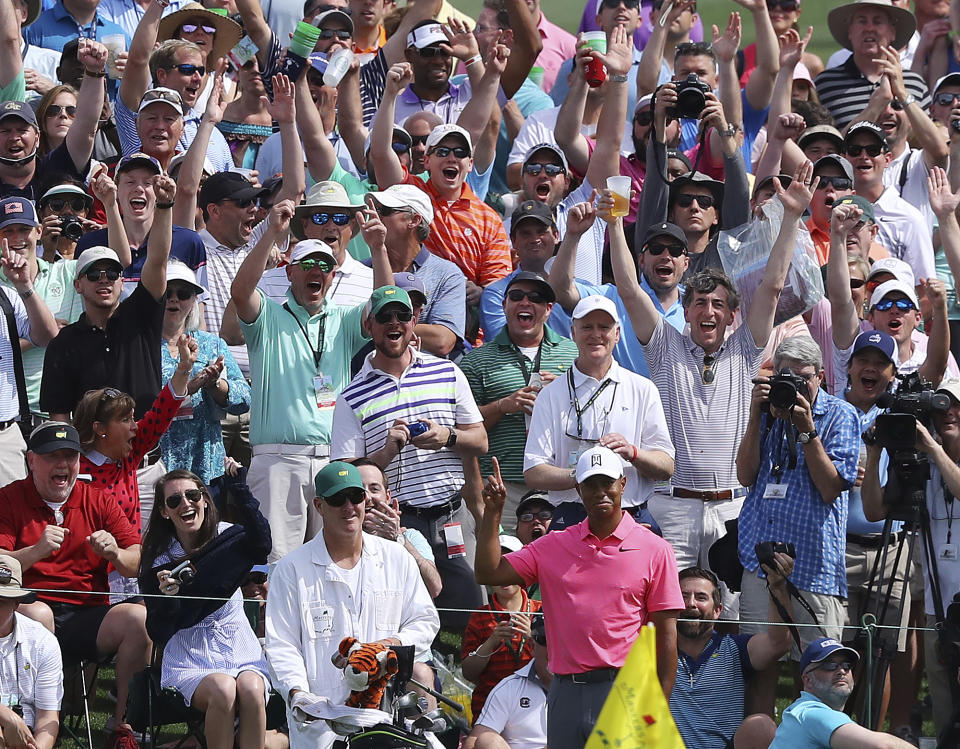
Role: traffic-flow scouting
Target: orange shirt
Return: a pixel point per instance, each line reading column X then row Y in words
column 467, row 232
column 821, row 243
column 381, row 40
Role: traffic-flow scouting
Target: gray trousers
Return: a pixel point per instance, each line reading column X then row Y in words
column 572, row 710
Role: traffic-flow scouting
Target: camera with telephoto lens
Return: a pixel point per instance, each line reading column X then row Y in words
column 184, row 572
column 691, row 98
column 71, row 228
column 766, row 549
column 784, row 388
column 915, row 400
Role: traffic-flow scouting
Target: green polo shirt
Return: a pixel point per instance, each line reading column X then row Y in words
column 285, row 406
column 53, row 284
column 495, row 371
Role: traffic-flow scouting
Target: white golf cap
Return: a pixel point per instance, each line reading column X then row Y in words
column 894, row 266
column 442, row 131
column 888, row 287
column 94, row 255
column 406, row 196
column 424, row 36
column 307, row 247
column 596, row 302
column 599, row 460
column 510, row 543
column 180, row 271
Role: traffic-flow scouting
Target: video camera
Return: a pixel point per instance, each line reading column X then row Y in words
column 915, row 400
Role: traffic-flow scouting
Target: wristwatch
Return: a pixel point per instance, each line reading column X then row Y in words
column 805, row 437
column 451, row 440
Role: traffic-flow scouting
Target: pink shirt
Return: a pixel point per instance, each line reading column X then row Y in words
column 597, row 593
column 558, row 46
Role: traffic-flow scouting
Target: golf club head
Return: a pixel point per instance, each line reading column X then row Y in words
column 435, row 721
column 408, row 706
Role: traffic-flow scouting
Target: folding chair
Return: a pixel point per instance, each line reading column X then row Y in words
column 74, row 718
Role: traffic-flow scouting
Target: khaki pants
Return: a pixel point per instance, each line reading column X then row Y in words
column 860, row 562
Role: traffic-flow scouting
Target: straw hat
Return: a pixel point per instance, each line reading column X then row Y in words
column 839, row 21
column 228, row 31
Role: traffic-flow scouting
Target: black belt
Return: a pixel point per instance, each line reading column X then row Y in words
column 6, row 424
column 873, row 541
column 596, row 676
column 433, row 511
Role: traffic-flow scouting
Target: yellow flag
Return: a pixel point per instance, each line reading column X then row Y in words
column 636, row 713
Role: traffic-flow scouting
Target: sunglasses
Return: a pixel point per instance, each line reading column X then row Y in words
column 338, row 33
column 704, row 201
column 675, row 250
column 182, row 293
column 109, row 394
column 400, row 147
column 518, row 295
column 443, row 151
column 903, row 305
column 385, row 211
column 339, row 219
column 833, row 666
column 839, row 183
column 190, row 28
column 873, row 150
column 110, row 274
column 552, row 170
column 433, row 52
column 356, row 497
column 527, row 517
column 708, row 375
column 256, row 578
column 58, row 204
column 857, row 283
column 787, row 5
column 388, row 316
column 245, row 203
column 643, row 118
column 310, row 263
column 174, row 500
column 170, row 97
column 419, row 140
column 617, row 3
column 54, row 110
column 946, row 99
column 188, row 69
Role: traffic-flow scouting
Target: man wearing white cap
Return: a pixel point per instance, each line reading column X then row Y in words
column 60, row 201
column 597, row 402
column 596, row 613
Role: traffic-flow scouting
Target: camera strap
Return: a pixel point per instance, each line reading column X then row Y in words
column 7, row 309
column 785, row 615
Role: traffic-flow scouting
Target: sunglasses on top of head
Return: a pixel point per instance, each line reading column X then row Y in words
column 175, row 500
column 354, row 495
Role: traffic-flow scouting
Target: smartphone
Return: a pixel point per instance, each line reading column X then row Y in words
column 535, row 381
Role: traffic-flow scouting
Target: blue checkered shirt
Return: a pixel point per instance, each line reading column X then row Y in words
column 818, row 529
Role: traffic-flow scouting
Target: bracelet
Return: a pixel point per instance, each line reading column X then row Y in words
column 169, row 204
column 92, row 74
column 906, row 102
column 636, row 453
column 500, row 400
column 476, row 58
column 617, row 78
column 26, row 294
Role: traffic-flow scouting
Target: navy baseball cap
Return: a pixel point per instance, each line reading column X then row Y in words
column 412, row 284
column 878, row 340
column 17, row 211
column 665, row 229
column 19, row 109
column 820, row 650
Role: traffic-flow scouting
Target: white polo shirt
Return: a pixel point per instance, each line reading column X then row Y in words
column 31, row 668
column 516, row 708
column 628, row 404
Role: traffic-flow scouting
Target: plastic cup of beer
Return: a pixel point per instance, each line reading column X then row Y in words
column 596, row 71
column 116, row 44
column 620, row 187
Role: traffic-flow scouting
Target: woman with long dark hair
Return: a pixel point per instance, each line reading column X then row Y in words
column 210, row 653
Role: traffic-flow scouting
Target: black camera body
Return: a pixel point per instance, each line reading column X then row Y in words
column 766, row 549
column 184, row 572
column 691, row 98
column 784, row 388
column 915, row 400
column 71, row 228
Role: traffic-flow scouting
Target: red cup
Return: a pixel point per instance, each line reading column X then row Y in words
column 595, row 73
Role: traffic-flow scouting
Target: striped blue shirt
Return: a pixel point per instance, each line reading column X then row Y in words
column 430, row 388
column 818, row 529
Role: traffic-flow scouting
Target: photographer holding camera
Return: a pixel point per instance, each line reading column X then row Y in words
column 942, row 488
column 799, row 457
column 64, row 210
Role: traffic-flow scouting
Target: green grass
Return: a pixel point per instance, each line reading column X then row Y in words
column 566, row 13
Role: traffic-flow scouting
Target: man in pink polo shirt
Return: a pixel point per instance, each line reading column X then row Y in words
column 601, row 580
column 558, row 45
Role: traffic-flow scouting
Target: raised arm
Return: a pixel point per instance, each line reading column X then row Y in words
column 761, row 82
column 483, row 106
column 490, row 568
column 463, row 46
column 605, row 161
column 526, row 47
column 321, row 158
column 843, row 314
column 79, row 139
column 257, row 28
column 153, row 277
column 568, row 131
column 386, row 163
column 417, row 11
column 349, row 116
column 243, row 290
column 655, row 195
column 938, row 343
column 648, row 71
column 104, row 189
column 11, row 61
column 795, row 200
column 580, row 219
column 725, row 47
column 136, row 76
column 43, row 327
column 283, row 110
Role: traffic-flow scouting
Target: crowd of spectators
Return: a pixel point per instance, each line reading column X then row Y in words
column 610, row 323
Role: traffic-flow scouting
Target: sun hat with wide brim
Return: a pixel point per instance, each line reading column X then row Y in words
column 840, row 17
column 228, row 31
column 33, row 11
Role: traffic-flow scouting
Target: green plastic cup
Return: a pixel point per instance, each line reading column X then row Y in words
column 305, row 38
column 536, row 74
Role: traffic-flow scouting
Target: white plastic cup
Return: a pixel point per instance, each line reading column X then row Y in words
column 116, row 44
column 620, row 187
column 337, row 67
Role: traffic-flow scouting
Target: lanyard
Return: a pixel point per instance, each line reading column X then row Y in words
column 318, row 351
column 523, row 362
column 576, row 403
column 948, row 504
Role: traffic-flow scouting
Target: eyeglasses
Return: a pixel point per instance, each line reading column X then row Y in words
column 54, row 110
column 183, row 293
column 433, row 52
column 833, row 666
column 308, row 264
column 528, row 517
column 111, row 274
column 419, row 140
column 58, row 204
column 356, row 497
column 873, row 150
column 552, row 170
column 675, row 250
column 857, row 283
column 887, row 304
column 191, row 28
column 839, row 183
column 385, row 211
column 339, row 219
column 187, row 69
column 946, row 99
column 399, row 147
column 785, row 5
column 174, row 500
column 386, row 316
column 338, row 33
column 643, row 118
column 708, row 375
column 616, row 3
column 704, row 201
column 518, row 295
column 443, row 151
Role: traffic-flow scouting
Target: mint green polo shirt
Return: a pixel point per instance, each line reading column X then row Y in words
column 284, row 407
column 53, row 284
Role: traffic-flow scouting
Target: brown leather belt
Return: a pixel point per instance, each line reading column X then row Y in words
column 708, row 496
